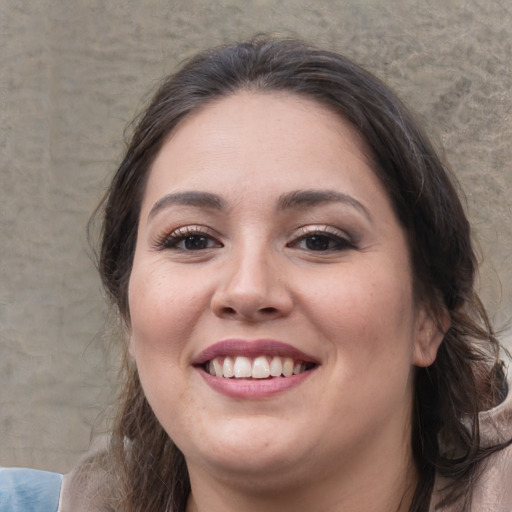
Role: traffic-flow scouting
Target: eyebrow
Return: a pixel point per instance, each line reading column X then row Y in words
column 192, row 198
column 290, row 200
column 305, row 198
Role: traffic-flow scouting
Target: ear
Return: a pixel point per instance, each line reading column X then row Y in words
column 430, row 331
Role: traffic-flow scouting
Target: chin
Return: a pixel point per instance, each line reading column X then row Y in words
column 249, row 447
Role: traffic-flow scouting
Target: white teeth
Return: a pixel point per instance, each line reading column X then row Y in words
column 298, row 368
column 217, row 367
column 288, row 367
column 260, row 368
column 227, row 367
column 243, row 367
column 276, row 367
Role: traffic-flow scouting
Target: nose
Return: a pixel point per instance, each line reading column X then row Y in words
column 252, row 288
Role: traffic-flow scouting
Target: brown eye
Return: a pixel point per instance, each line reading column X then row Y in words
column 321, row 242
column 195, row 243
column 186, row 240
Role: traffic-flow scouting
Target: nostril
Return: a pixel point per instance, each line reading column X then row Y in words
column 268, row 311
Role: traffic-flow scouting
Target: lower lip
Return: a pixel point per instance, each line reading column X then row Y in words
column 253, row 388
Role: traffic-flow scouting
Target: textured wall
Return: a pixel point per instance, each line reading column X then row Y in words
column 72, row 77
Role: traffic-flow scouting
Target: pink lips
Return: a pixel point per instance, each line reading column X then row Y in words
column 252, row 388
column 253, row 348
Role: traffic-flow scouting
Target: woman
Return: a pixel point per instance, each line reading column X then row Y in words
column 295, row 275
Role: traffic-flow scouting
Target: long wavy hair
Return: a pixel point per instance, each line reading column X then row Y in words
column 144, row 468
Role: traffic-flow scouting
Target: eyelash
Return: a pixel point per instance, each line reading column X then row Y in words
column 173, row 239
column 324, row 235
column 326, row 239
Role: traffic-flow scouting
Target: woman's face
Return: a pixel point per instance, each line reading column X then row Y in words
column 266, row 243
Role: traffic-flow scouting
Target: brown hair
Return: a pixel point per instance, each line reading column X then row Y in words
column 147, row 469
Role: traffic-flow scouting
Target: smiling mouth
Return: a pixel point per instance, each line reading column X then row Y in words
column 260, row 367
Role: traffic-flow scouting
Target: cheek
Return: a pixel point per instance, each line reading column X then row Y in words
column 164, row 307
column 368, row 314
column 163, row 314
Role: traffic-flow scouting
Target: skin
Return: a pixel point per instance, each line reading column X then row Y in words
column 340, row 440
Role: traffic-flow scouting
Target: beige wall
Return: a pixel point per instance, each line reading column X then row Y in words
column 72, row 75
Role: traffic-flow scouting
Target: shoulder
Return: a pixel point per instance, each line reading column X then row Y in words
column 89, row 486
column 492, row 490
column 29, row 490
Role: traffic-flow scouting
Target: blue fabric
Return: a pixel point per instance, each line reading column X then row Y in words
column 29, row 490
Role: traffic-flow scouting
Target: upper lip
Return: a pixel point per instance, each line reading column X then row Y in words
column 252, row 348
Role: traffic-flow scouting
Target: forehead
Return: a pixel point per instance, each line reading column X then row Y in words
column 268, row 137
column 260, row 115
